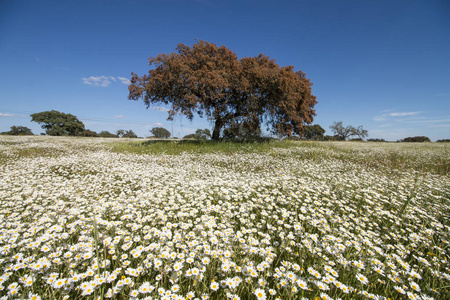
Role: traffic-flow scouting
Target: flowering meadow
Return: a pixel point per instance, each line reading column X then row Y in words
column 91, row 218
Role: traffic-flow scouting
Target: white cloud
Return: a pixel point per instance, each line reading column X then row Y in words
column 158, row 124
column 403, row 114
column 103, row 81
column 6, row 115
column 121, row 117
column 159, row 108
column 385, row 114
column 124, row 80
column 379, row 118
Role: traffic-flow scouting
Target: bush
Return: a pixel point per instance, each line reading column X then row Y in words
column 376, row 140
column 332, row 138
column 293, row 138
column 107, row 134
column 443, row 141
column 89, row 133
column 416, row 139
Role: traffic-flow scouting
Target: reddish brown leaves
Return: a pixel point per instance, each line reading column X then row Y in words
column 210, row 80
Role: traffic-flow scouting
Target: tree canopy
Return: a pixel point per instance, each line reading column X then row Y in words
column 313, row 132
column 18, row 130
column 58, row 123
column 343, row 133
column 208, row 80
column 126, row 133
column 160, row 132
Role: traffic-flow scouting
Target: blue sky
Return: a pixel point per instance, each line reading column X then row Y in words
column 380, row 64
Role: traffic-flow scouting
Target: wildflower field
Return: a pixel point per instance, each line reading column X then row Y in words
column 91, row 218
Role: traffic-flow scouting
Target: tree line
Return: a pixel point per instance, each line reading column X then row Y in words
column 57, row 123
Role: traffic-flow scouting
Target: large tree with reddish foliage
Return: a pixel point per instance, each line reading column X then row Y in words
column 208, row 80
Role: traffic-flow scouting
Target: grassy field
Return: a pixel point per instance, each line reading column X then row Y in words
column 91, row 218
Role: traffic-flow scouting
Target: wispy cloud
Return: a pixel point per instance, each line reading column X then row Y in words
column 121, row 117
column 403, row 114
column 103, row 81
column 386, row 114
column 159, row 108
column 379, row 118
column 6, row 115
column 158, row 124
column 124, row 80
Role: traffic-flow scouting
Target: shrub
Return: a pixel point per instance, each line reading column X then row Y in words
column 416, row 139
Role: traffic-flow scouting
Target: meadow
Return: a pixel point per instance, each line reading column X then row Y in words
column 92, row 218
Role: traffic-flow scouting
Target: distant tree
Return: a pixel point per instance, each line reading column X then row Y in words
column 361, row 132
column 126, row 133
column 160, row 132
column 58, row 123
column 107, row 134
column 443, row 141
column 203, row 134
column 293, row 138
column 211, row 81
column 376, row 140
column 346, row 132
column 129, row 134
column 416, row 139
column 120, row 132
column 313, row 132
column 89, row 133
column 191, row 136
column 330, row 138
column 200, row 134
column 18, row 130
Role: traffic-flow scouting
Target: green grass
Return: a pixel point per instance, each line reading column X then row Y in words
column 203, row 147
column 430, row 158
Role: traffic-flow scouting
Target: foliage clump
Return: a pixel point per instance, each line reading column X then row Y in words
column 416, row 139
column 18, row 130
column 58, row 123
column 160, row 132
column 208, row 80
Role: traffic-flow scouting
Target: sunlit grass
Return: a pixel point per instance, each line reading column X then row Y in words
column 86, row 218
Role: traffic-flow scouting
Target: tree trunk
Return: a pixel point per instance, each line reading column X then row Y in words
column 218, row 124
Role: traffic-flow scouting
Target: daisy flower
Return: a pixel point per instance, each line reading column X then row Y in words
column 260, row 294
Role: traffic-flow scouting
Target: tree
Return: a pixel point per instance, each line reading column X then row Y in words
column 345, row 132
column 58, row 123
column 160, row 132
column 313, row 132
column 89, row 133
column 129, row 134
column 106, row 134
column 203, row 134
column 211, row 81
column 120, row 132
column 361, row 132
column 416, row 139
column 18, row 130
column 126, row 133
column 200, row 134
